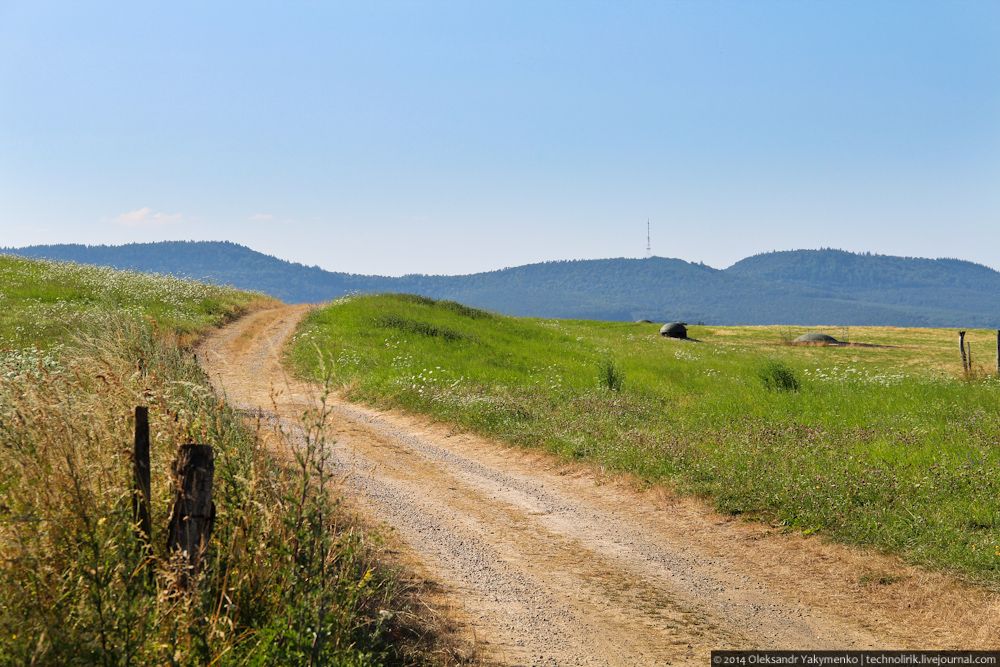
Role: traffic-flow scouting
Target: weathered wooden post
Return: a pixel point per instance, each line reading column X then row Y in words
column 194, row 512
column 140, row 468
column 961, row 347
column 998, row 351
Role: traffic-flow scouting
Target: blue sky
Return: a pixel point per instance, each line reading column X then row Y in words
column 450, row 137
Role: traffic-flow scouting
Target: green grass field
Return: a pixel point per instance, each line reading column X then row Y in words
column 289, row 577
column 883, row 443
column 42, row 303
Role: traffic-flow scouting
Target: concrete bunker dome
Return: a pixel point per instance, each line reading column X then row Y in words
column 674, row 330
column 816, row 338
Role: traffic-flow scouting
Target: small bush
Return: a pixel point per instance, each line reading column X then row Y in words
column 777, row 376
column 610, row 376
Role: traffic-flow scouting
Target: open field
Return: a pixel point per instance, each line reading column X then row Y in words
column 881, row 446
column 289, row 577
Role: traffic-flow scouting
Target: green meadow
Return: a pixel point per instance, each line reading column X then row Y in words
column 883, row 442
column 43, row 303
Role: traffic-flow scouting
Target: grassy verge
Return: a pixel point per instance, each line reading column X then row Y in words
column 43, row 303
column 870, row 444
column 288, row 579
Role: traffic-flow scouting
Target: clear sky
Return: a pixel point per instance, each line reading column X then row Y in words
column 449, row 137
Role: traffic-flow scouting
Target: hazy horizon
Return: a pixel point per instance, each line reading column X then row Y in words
column 445, row 138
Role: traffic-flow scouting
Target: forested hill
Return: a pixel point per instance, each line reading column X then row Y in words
column 841, row 270
column 793, row 287
column 936, row 285
column 211, row 261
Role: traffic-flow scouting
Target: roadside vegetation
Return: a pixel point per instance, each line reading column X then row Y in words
column 44, row 303
column 884, row 444
column 288, row 578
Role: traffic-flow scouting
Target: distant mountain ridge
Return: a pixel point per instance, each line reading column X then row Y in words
column 807, row 287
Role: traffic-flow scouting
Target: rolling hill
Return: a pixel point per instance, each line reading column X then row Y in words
column 792, row 287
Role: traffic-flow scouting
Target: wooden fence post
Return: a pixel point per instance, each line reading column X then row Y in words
column 140, row 468
column 998, row 351
column 193, row 514
column 961, row 347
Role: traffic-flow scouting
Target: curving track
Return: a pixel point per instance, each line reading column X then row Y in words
column 547, row 563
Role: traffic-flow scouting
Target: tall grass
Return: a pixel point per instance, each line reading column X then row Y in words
column 289, row 577
column 875, row 445
column 287, row 580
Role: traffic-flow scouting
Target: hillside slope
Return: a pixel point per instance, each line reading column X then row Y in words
column 794, row 287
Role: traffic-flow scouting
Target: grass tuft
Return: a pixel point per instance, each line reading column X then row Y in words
column 610, row 375
column 777, row 376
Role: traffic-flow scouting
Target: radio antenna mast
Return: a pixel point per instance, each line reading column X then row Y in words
column 649, row 246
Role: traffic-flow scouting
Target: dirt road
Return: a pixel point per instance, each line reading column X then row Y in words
column 552, row 563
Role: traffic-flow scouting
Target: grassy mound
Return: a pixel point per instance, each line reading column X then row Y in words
column 288, row 578
column 871, row 445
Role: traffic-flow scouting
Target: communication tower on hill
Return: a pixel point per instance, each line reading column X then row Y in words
column 649, row 246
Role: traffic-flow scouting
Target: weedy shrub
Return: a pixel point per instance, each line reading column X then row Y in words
column 286, row 580
column 778, row 376
column 610, row 375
